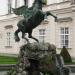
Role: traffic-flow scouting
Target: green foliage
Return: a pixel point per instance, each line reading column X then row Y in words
column 46, row 60
column 46, row 64
column 46, row 74
column 11, row 72
column 70, row 63
column 8, row 60
column 66, row 56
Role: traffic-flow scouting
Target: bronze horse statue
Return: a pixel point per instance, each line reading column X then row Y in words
column 33, row 16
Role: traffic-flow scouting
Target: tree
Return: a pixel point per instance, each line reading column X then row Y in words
column 66, row 56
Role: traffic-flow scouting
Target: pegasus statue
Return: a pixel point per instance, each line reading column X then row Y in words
column 33, row 16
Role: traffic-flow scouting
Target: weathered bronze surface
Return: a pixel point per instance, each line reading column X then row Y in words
column 33, row 16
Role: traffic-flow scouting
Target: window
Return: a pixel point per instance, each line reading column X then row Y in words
column 41, row 35
column 9, row 37
column 64, row 36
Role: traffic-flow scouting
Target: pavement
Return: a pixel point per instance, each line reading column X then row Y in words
column 72, row 73
column 4, row 72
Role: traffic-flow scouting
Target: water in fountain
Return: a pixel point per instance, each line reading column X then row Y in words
column 59, row 64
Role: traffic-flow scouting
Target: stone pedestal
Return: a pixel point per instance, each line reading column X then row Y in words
column 37, row 58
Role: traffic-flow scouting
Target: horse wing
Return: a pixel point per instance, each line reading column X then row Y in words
column 24, row 11
column 20, row 10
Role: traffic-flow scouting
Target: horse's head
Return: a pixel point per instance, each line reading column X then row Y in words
column 39, row 3
column 19, row 11
column 15, row 10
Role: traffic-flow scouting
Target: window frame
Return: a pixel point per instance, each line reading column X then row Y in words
column 9, row 36
column 42, row 34
column 8, row 39
column 64, row 37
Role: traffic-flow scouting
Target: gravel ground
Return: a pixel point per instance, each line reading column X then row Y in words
column 72, row 73
column 4, row 72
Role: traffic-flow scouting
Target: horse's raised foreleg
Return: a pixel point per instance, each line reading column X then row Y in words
column 34, row 38
column 30, row 36
column 56, row 19
column 49, row 13
column 16, row 35
column 23, row 37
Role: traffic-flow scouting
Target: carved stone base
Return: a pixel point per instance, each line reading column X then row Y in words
column 37, row 58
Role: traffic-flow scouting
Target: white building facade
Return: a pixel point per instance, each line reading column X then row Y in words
column 59, row 33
